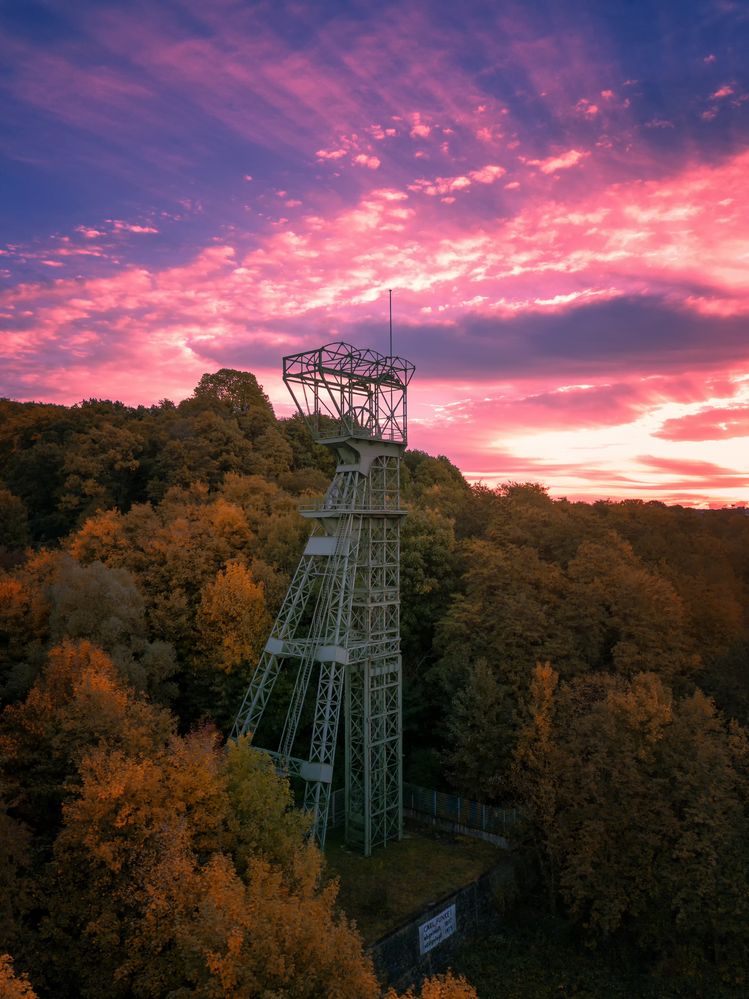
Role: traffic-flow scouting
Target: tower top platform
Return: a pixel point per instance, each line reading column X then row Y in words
column 347, row 391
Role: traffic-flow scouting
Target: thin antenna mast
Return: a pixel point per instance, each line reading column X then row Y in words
column 390, row 294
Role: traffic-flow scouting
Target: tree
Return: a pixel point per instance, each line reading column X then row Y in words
column 99, row 468
column 15, row 882
column 16, row 635
column 145, row 901
column 639, row 805
column 434, row 483
column 482, row 729
column 52, row 598
column 238, row 391
column 535, row 770
column 612, row 821
column 232, row 620
column 263, row 821
column 512, row 612
column 429, row 574
column 704, row 881
column 439, row 987
column 13, row 986
column 78, row 701
column 14, row 527
column 625, row 617
column 172, row 551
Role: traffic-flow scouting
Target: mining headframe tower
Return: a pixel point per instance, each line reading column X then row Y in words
column 338, row 630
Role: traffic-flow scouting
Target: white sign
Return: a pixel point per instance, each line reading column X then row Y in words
column 437, row 929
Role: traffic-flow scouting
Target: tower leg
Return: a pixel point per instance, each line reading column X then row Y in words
column 319, row 772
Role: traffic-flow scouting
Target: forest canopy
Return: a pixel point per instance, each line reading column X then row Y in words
column 588, row 663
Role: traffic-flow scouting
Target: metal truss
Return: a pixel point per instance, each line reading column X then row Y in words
column 342, row 390
column 339, row 624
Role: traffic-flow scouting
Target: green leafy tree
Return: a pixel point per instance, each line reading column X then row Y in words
column 512, row 612
column 625, row 617
column 482, row 729
column 14, row 527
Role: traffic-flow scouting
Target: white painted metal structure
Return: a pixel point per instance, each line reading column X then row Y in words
column 339, row 625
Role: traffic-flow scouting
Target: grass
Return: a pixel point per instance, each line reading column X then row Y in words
column 381, row 892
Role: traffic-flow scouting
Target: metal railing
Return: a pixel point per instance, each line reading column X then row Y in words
column 442, row 806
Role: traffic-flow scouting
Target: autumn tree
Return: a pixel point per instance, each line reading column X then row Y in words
column 523, row 513
column 172, row 551
column 434, row 483
column 535, row 770
column 146, row 898
column 13, row 985
column 52, row 598
column 232, row 621
column 511, row 612
column 638, row 802
column 78, row 701
column 625, row 617
column 447, row 986
column 263, row 820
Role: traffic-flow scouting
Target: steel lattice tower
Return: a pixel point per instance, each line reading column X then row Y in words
column 339, row 624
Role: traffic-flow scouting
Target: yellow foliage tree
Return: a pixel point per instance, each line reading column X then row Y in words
column 263, row 821
column 233, row 621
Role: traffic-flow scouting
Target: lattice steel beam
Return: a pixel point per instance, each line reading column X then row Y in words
column 340, row 620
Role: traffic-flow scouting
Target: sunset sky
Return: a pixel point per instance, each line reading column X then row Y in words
column 557, row 192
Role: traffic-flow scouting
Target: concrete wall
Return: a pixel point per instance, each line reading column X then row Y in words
column 397, row 956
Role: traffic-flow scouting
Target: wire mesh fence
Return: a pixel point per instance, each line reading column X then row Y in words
column 461, row 811
column 439, row 805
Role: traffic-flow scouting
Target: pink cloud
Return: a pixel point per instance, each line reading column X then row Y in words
column 562, row 162
column 657, row 237
column 487, row 174
column 725, row 91
column 668, row 237
column 330, row 154
column 707, row 425
column 371, row 162
column 119, row 226
column 585, row 107
column 440, row 185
